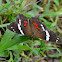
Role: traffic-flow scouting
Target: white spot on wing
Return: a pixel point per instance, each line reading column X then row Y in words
column 57, row 40
column 11, row 27
column 47, row 33
column 20, row 27
column 14, row 30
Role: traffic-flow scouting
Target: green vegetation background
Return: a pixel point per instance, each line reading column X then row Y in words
column 49, row 12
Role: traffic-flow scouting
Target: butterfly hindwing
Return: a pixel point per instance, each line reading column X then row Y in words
column 37, row 28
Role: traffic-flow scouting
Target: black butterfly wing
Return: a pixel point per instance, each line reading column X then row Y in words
column 13, row 27
column 40, row 30
column 19, row 26
column 25, row 25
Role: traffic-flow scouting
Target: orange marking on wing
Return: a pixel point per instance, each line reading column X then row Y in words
column 36, row 25
column 25, row 22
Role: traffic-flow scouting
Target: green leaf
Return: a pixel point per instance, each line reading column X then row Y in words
column 35, row 51
column 47, row 23
column 56, row 2
column 19, row 47
column 42, row 53
column 0, row 2
column 52, row 14
column 9, row 39
column 55, row 55
column 47, row 7
column 4, row 25
column 61, row 60
column 4, row 54
column 37, row 6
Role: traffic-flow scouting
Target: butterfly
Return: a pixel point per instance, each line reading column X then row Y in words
column 33, row 27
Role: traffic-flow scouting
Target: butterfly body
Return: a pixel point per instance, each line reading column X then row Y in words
column 33, row 27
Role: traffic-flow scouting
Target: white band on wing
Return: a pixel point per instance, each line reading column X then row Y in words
column 19, row 27
column 47, row 33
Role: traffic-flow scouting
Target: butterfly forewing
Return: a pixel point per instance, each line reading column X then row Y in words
column 13, row 27
column 20, row 26
column 25, row 25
